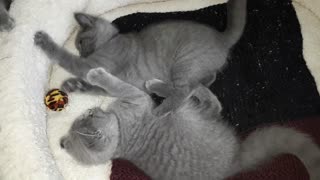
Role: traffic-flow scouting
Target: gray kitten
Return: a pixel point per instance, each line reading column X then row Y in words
column 191, row 142
column 6, row 22
column 182, row 54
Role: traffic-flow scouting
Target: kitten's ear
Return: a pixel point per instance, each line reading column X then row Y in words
column 84, row 20
column 216, row 105
column 203, row 98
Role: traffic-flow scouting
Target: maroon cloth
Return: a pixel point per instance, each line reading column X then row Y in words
column 125, row 170
column 283, row 167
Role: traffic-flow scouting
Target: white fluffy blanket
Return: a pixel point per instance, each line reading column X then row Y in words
column 29, row 134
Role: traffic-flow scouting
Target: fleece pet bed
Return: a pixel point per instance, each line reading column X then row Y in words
column 29, row 144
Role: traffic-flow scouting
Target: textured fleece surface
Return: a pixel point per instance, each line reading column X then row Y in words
column 26, row 126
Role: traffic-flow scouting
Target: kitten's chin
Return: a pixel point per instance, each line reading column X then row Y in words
column 89, row 158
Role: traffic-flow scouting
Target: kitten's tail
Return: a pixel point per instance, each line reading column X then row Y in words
column 236, row 21
column 268, row 142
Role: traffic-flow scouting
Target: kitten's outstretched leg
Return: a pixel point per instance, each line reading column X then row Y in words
column 111, row 84
column 77, row 84
column 172, row 102
column 74, row 64
column 185, row 77
column 174, row 96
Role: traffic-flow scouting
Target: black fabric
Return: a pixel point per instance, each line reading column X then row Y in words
column 266, row 79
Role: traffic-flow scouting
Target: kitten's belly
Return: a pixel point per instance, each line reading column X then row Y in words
column 177, row 169
column 155, row 68
column 170, row 162
column 140, row 72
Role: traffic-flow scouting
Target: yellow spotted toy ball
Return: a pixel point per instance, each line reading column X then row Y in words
column 56, row 100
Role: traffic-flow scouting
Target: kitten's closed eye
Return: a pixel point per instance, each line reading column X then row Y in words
column 95, row 141
column 85, row 47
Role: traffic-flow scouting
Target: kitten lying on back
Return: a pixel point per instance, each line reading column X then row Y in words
column 182, row 54
column 189, row 143
column 6, row 22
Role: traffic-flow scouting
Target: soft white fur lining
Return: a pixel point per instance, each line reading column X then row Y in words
column 26, row 125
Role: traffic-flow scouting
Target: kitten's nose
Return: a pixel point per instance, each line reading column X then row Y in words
column 63, row 143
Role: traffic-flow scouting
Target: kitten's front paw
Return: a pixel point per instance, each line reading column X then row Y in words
column 75, row 84
column 94, row 75
column 152, row 83
column 158, row 87
column 42, row 39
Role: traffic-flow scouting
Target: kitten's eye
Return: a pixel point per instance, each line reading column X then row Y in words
column 195, row 100
column 80, row 42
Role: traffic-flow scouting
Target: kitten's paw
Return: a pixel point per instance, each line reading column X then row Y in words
column 94, row 75
column 42, row 39
column 75, row 84
column 158, row 87
column 152, row 83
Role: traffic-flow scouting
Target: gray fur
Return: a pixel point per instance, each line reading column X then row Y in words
column 183, row 54
column 189, row 143
column 6, row 22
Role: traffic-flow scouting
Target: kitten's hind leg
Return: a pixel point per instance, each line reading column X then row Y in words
column 111, row 84
column 172, row 102
column 175, row 96
column 159, row 87
column 77, row 84
column 186, row 74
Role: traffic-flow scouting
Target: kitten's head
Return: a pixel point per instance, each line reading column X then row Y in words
column 93, row 33
column 201, row 101
column 93, row 137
